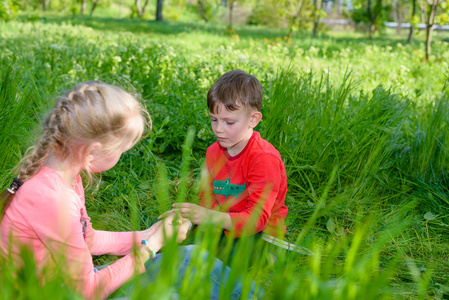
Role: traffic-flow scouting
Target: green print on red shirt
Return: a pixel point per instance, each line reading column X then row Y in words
column 227, row 189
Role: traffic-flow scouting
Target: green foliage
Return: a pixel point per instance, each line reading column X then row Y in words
column 294, row 14
column 21, row 105
column 209, row 7
column 267, row 12
column 348, row 129
column 442, row 17
column 8, row 10
column 380, row 13
column 174, row 10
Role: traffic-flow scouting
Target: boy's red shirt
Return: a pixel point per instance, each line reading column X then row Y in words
column 250, row 186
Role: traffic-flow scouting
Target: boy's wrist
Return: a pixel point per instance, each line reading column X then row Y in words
column 221, row 218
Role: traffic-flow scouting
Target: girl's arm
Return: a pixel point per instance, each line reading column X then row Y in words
column 59, row 226
column 109, row 242
column 145, row 234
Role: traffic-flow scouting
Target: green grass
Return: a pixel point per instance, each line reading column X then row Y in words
column 360, row 124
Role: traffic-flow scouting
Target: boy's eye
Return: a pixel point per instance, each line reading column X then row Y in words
column 230, row 123
column 213, row 120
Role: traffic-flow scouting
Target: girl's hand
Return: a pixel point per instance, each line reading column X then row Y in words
column 195, row 213
column 160, row 232
column 171, row 225
column 145, row 234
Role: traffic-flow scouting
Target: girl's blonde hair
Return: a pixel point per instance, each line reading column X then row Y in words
column 91, row 112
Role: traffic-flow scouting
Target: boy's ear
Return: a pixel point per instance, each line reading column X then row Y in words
column 255, row 118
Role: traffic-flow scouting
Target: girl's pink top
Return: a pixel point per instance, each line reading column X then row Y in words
column 50, row 217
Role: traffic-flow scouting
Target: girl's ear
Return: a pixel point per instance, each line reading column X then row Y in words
column 255, row 119
column 90, row 153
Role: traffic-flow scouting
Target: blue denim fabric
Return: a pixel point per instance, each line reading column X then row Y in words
column 218, row 276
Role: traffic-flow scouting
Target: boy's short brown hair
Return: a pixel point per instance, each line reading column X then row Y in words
column 234, row 89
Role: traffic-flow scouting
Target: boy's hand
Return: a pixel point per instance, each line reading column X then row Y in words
column 195, row 213
column 200, row 215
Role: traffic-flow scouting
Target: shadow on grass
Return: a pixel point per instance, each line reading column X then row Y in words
column 171, row 28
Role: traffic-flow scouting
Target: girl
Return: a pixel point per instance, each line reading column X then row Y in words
column 44, row 208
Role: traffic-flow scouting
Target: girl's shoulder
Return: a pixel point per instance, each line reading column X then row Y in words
column 48, row 187
column 43, row 200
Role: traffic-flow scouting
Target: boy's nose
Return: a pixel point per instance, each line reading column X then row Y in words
column 219, row 127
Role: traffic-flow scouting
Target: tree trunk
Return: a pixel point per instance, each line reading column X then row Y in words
column 295, row 16
column 144, row 8
column 371, row 29
column 368, row 12
column 44, row 5
column 290, row 35
column 317, row 7
column 120, row 9
column 429, row 29
column 83, row 7
column 231, row 10
column 202, row 12
column 290, row 31
column 373, row 16
column 315, row 28
column 93, row 7
column 410, row 34
column 159, row 4
column 424, row 14
column 139, row 8
column 398, row 16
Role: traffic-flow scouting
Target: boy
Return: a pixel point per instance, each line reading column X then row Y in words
column 245, row 173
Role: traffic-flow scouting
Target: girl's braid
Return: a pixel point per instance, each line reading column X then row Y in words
column 53, row 137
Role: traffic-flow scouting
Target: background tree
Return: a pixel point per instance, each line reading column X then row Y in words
column 159, row 7
column 122, row 2
column 83, row 7
column 373, row 13
column 95, row 4
column 431, row 8
column 8, row 10
column 398, row 5
column 45, row 4
column 412, row 22
column 231, row 5
column 202, row 10
column 268, row 12
column 291, row 14
column 141, row 9
column 235, row 6
column 294, row 9
column 318, row 14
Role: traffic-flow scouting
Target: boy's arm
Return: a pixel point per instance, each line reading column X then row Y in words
column 200, row 215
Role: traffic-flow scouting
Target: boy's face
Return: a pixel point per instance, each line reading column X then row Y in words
column 233, row 129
